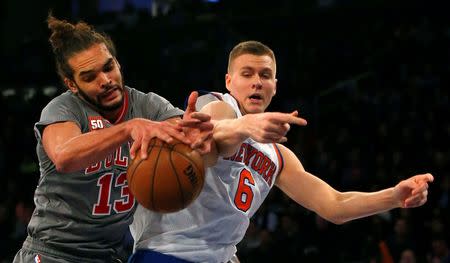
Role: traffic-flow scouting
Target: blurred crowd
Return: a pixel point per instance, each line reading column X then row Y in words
column 372, row 81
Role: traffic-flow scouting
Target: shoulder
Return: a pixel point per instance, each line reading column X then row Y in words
column 285, row 151
column 151, row 105
column 139, row 96
column 66, row 101
column 290, row 159
column 214, row 104
column 65, row 107
column 206, row 98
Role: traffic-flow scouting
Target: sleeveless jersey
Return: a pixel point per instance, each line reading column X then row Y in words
column 210, row 228
column 86, row 214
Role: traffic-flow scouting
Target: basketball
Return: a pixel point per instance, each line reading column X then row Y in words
column 169, row 179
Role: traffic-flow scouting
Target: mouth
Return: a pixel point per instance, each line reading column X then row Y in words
column 110, row 94
column 255, row 98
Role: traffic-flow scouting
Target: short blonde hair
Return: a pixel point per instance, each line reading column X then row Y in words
column 250, row 47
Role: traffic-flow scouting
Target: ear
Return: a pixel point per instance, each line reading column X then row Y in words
column 275, row 89
column 71, row 85
column 227, row 81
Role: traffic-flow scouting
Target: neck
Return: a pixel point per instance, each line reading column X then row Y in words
column 112, row 116
column 116, row 116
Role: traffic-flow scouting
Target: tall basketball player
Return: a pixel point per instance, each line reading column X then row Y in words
column 254, row 161
column 85, row 137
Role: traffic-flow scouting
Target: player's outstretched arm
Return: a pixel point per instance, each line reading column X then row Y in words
column 230, row 131
column 340, row 207
column 70, row 150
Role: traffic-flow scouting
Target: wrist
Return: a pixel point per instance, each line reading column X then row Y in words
column 396, row 199
column 128, row 129
column 242, row 126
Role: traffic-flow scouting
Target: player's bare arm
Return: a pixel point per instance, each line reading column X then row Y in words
column 70, row 150
column 230, row 132
column 340, row 207
column 269, row 127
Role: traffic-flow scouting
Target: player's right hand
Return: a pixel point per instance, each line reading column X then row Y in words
column 271, row 127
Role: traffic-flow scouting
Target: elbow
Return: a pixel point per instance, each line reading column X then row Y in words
column 63, row 165
column 332, row 218
column 337, row 220
column 334, row 214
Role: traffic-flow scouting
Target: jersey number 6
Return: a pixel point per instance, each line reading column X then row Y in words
column 244, row 194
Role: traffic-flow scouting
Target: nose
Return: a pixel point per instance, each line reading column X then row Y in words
column 257, row 83
column 104, row 79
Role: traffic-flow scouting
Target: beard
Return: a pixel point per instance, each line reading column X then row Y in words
column 97, row 101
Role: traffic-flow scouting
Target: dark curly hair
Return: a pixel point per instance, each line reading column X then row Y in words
column 68, row 39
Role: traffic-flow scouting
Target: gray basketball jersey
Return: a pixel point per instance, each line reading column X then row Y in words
column 86, row 214
column 211, row 227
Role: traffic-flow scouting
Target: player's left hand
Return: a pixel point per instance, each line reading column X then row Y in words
column 197, row 126
column 413, row 191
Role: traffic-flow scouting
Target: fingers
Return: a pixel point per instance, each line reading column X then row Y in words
column 283, row 139
column 417, row 199
column 418, row 190
column 424, row 178
column 422, row 187
column 195, row 119
column 191, row 103
column 188, row 123
column 144, row 148
column 164, row 131
column 202, row 141
column 200, row 116
column 174, row 134
column 134, row 147
column 288, row 118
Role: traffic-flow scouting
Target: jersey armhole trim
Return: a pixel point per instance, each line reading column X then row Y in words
column 280, row 158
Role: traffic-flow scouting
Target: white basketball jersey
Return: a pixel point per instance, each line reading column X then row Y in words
column 209, row 229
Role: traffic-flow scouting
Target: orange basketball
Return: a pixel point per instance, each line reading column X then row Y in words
column 169, row 179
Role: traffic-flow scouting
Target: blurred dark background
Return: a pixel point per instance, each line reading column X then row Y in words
column 371, row 77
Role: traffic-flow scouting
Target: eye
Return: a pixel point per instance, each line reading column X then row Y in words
column 88, row 78
column 246, row 74
column 108, row 67
column 266, row 75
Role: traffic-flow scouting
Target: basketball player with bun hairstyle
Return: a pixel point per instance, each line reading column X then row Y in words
column 254, row 160
column 85, row 138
